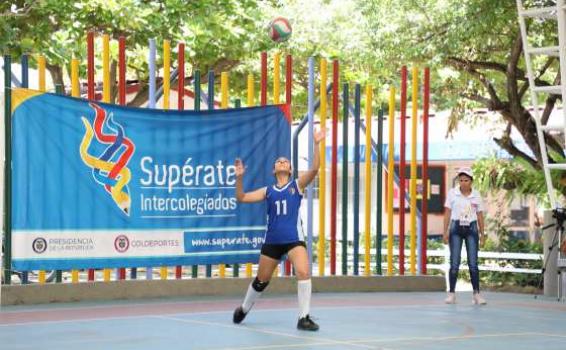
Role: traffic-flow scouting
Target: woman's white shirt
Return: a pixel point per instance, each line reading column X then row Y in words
column 464, row 208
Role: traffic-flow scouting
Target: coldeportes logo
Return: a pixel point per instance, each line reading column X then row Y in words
column 39, row 245
column 121, row 243
column 110, row 169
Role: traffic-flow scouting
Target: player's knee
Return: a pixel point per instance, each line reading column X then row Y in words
column 302, row 273
column 258, row 285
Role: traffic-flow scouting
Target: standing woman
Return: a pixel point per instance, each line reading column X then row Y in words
column 284, row 234
column 464, row 222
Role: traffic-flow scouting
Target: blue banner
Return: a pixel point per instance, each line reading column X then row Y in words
column 98, row 185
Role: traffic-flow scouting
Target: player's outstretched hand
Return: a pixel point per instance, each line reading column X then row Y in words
column 240, row 168
column 319, row 135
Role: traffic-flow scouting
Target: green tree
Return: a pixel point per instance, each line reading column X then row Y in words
column 219, row 34
column 480, row 43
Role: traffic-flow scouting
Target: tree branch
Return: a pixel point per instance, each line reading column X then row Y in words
column 461, row 64
column 506, row 143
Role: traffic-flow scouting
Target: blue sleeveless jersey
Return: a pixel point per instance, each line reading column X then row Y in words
column 283, row 219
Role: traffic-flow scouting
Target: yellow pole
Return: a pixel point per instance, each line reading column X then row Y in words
column 368, row 182
column 163, row 271
column 106, row 95
column 414, row 171
column 276, row 78
column 166, row 73
column 75, row 86
column 223, row 105
column 106, row 69
column 390, row 176
column 75, row 92
column 251, row 102
column 41, row 68
column 322, row 172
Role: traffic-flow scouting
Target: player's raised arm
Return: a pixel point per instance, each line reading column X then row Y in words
column 309, row 175
column 246, row 197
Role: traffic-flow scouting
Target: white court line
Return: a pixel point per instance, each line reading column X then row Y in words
column 188, row 313
column 270, row 332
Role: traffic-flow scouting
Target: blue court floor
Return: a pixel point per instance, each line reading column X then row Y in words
column 347, row 321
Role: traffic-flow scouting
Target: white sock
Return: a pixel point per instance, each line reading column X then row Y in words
column 251, row 297
column 304, row 290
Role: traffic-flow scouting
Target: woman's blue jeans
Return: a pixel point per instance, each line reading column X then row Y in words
column 458, row 235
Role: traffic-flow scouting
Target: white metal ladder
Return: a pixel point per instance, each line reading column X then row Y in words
column 558, row 14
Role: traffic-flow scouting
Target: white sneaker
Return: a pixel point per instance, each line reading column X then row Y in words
column 450, row 299
column 478, row 300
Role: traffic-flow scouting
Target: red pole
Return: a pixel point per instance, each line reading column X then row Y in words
column 90, row 67
column 181, row 80
column 288, row 100
column 263, row 78
column 402, row 166
column 180, row 106
column 424, row 202
column 333, row 169
column 122, row 100
column 122, row 70
column 90, row 91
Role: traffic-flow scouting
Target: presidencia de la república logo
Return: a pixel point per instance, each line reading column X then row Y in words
column 110, row 169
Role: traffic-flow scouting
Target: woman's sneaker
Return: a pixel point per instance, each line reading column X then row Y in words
column 239, row 315
column 478, row 300
column 450, row 299
column 306, row 324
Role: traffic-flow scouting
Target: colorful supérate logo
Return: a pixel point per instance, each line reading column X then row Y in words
column 109, row 169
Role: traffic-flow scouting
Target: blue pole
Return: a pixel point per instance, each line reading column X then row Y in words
column 310, row 99
column 152, row 51
column 151, row 104
column 357, row 97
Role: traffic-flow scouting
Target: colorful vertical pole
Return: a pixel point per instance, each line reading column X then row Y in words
column 90, row 93
column 288, row 100
column 322, row 173
column 310, row 116
column 122, row 70
column 181, row 79
column 197, row 88
column 263, row 100
column 414, row 116
column 390, row 178
column 25, row 84
column 75, row 92
column 7, row 168
column 163, row 271
column 210, row 107
column 250, row 103
column 276, row 78
column 167, row 73
column 180, row 106
column 41, row 73
column 379, row 193
column 424, row 202
column 345, row 165
column 402, row 166
column 223, row 105
column 106, row 98
column 334, row 166
column 357, row 102
column 367, row 189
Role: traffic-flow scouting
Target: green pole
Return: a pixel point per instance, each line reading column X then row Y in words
column 8, row 168
column 379, row 209
column 345, row 104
